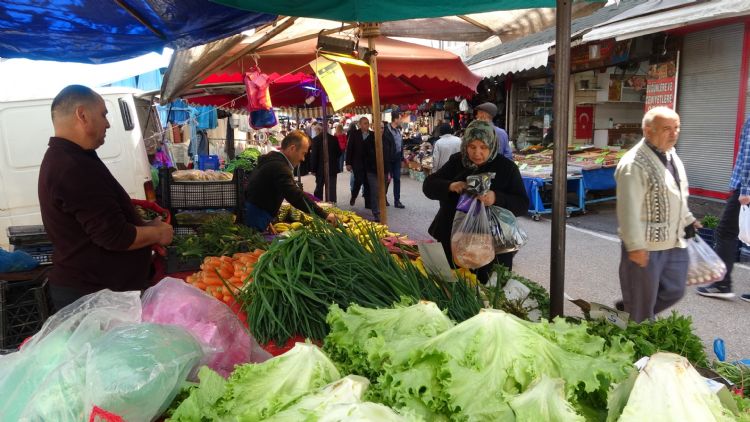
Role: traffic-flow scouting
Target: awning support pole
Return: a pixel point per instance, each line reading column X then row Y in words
column 561, row 110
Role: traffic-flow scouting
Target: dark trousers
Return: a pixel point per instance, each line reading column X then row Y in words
column 726, row 236
column 63, row 296
column 650, row 290
column 396, row 175
column 360, row 181
column 372, row 180
column 320, row 183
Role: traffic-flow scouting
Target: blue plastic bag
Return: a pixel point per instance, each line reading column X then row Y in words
column 11, row 262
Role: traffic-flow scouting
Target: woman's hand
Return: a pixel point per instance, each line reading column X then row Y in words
column 458, row 187
column 488, row 198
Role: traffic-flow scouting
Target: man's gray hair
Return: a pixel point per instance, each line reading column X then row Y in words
column 655, row 112
column 71, row 97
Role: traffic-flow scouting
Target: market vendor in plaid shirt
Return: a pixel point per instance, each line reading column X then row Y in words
column 728, row 229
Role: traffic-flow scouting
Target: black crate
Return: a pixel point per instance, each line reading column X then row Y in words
column 188, row 195
column 24, row 307
column 27, row 235
column 177, row 264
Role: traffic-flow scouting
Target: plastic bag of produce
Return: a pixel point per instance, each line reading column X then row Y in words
column 744, row 234
column 704, row 266
column 507, row 235
column 471, row 240
column 213, row 323
column 132, row 371
column 61, row 338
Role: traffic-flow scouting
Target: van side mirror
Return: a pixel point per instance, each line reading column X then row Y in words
column 127, row 119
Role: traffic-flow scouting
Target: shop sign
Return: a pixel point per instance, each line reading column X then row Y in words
column 661, row 85
column 331, row 76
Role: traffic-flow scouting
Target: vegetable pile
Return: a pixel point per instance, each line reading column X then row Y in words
column 671, row 334
column 219, row 236
column 222, row 276
column 484, row 368
column 256, row 391
column 300, row 276
column 246, row 160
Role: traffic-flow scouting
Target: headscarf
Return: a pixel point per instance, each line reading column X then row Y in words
column 478, row 130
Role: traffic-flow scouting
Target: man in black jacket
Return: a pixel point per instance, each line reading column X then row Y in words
column 272, row 181
column 392, row 136
column 355, row 159
column 317, row 167
column 370, row 163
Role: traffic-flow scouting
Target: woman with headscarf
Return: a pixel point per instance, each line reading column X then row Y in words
column 478, row 155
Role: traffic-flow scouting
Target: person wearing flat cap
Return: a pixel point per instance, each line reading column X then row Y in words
column 486, row 112
column 478, row 154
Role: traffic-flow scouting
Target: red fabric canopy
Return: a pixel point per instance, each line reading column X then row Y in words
column 407, row 73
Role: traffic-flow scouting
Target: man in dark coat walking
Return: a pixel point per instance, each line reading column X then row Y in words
column 355, row 151
column 317, row 164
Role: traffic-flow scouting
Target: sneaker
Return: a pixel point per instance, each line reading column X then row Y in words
column 745, row 297
column 716, row 290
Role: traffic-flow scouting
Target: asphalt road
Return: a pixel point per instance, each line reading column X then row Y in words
column 591, row 262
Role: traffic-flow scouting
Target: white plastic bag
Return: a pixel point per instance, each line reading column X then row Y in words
column 471, row 240
column 744, row 235
column 704, row 265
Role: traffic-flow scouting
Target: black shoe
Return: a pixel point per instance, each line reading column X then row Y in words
column 716, row 290
column 351, row 201
column 387, row 204
column 620, row 305
column 399, row 205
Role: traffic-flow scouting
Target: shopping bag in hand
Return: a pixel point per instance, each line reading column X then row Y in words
column 471, row 240
column 744, row 235
column 507, row 235
column 704, row 265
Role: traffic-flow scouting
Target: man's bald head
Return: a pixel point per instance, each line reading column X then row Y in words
column 80, row 115
column 65, row 103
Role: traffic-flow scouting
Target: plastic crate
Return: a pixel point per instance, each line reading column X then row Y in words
column 208, row 162
column 24, row 307
column 199, row 195
column 599, row 179
column 27, row 235
column 176, row 263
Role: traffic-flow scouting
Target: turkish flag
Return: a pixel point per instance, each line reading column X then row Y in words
column 584, row 122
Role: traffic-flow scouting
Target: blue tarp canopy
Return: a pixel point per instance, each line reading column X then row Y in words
column 102, row 31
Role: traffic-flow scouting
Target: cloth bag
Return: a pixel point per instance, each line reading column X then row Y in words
column 704, row 265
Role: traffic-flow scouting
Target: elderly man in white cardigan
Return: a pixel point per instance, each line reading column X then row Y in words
column 653, row 214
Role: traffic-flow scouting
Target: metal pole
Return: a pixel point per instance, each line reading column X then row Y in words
column 326, row 175
column 560, row 164
column 371, row 31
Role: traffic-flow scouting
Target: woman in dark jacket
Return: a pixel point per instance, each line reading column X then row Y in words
column 478, row 155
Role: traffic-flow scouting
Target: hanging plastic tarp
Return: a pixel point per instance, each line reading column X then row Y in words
column 95, row 31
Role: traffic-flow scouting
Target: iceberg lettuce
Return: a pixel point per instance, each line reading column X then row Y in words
column 472, row 370
column 668, row 388
column 544, row 401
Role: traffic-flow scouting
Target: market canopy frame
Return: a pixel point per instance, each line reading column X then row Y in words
column 96, row 31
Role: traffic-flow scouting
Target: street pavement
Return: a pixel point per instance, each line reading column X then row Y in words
column 591, row 262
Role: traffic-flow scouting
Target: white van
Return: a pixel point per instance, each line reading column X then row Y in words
column 25, row 129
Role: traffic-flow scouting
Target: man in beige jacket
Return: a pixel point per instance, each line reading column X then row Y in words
column 652, row 212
